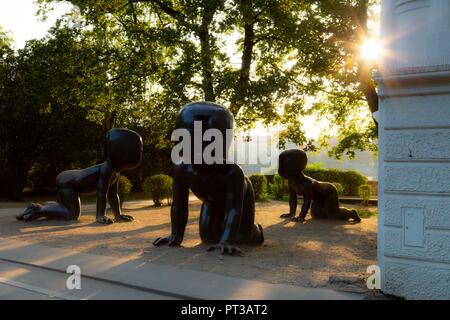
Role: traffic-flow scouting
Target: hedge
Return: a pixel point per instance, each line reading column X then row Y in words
column 349, row 179
column 365, row 192
column 279, row 187
column 259, row 183
column 339, row 187
column 159, row 187
column 124, row 189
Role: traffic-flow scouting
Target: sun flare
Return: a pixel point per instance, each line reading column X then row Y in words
column 370, row 50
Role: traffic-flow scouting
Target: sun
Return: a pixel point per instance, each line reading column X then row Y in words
column 370, row 50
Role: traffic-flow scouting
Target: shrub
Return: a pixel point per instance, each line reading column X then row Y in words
column 279, row 187
column 339, row 187
column 365, row 192
column 124, row 189
column 259, row 183
column 159, row 187
column 349, row 179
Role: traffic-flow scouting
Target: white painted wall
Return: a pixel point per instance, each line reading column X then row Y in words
column 414, row 143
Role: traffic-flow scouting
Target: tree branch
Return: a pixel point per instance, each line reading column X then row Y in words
column 164, row 7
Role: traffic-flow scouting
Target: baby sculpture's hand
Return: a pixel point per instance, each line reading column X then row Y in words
column 171, row 240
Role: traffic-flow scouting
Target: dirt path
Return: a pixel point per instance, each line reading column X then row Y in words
column 299, row 254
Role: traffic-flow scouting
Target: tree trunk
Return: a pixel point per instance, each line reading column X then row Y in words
column 367, row 85
column 247, row 53
column 206, row 54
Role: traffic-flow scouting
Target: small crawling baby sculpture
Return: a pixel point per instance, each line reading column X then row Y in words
column 322, row 197
column 123, row 152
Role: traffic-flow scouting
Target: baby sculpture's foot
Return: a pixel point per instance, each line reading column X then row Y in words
column 104, row 220
column 355, row 216
column 30, row 212
column 257, row 234
column 298, row 219
column 123, row 218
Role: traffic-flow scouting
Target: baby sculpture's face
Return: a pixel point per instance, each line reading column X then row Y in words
column 210, row 116
column 291, row 163
column 124, row 149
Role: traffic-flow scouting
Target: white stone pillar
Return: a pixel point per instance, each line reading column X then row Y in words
column 414, row 148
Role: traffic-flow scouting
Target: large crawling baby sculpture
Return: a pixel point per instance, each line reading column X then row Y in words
column 123, row 152
column 228, row 210
column 322, row 197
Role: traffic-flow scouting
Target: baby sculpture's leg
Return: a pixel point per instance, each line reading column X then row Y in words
column 211, row 222
column 336, row 212
column 68, row 207
column 319, row 210
column 347, row 214
column 249, row 231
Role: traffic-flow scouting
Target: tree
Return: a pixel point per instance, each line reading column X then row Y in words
column 5, row 39
column 51, row 95
column 292, row 52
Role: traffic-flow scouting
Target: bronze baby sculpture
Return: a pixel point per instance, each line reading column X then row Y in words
column 123, row 152
column 322, row 197
column 228, row 210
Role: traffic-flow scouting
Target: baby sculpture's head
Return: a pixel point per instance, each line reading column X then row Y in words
column 212, row 116
column 291, row 163
column 123, row 149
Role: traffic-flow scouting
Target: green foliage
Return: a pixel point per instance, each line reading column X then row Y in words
column 259, row 183
column 279, row 187
column 45, row 107
column 365, row 192
column 5, row 38
column 349, row 179
column 167, row 53
column 365, row 213
column 339, row 187
column 159, row 187
column 58, row 98
column 316, row 166
column 124, row 189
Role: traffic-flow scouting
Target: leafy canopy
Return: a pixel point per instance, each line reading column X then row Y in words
column 297, row 57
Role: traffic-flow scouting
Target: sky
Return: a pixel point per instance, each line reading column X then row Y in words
column 19, row 17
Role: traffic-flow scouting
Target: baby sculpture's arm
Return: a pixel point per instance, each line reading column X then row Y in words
column 233, row 213
column 179, row 212
column 292, row 204
column 307, row 199
column 114, row 203
column 102, row 190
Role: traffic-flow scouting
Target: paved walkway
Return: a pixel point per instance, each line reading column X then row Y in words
column 42, row 270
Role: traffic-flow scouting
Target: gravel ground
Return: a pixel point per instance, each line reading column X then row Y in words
column 299, row 254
